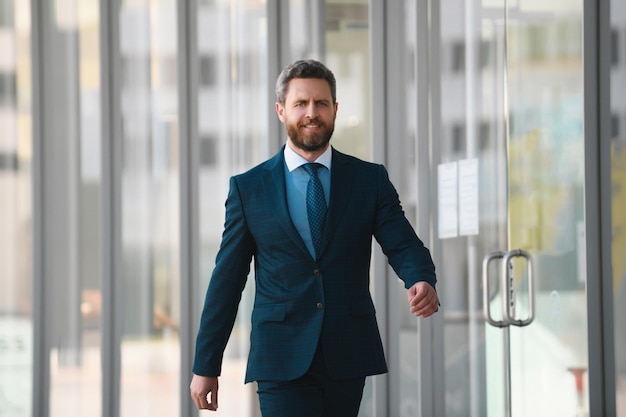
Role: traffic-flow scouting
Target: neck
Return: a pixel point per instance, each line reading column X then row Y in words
column 310, row 156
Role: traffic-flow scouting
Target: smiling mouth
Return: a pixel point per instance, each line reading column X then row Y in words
column 312, row 126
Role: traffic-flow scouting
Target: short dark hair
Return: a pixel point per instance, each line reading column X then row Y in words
column 308, row 68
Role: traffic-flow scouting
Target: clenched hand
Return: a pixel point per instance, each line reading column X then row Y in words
column 423, row 300
column 200, row 388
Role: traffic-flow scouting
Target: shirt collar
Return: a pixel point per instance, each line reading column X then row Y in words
column 293, row 160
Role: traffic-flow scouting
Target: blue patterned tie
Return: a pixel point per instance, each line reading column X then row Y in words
column 315, row 205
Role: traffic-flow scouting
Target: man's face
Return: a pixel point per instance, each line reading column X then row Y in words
column 308, row 114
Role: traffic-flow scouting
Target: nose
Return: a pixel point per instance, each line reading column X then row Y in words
column 311, row 110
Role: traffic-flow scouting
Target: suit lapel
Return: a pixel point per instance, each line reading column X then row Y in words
column 274, row 183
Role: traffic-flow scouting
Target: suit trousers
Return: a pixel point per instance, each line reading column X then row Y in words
column 315, row 394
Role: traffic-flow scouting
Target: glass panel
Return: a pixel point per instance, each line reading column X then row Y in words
column 618, row 176
column 16, row 215
column 471, row 194
column 150, row 351
column 530, row 167
column 233, row 106
column 345, row 43
column 546, row 206
column 348, row 56
column 71, row 180
column 304, row 31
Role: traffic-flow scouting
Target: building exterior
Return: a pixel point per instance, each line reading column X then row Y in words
column 502, row 125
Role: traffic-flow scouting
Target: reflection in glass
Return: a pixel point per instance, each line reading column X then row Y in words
column 70, row 151
column 150, row 359
column 233, row 107
column 546, row 206
column 16, row 215
column 348, row 56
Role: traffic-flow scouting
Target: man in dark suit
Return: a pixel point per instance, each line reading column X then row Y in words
column 307, row 217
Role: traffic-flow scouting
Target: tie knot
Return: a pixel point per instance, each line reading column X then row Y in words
column 312, row 167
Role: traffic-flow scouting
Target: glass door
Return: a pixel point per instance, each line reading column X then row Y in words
column 511, row 208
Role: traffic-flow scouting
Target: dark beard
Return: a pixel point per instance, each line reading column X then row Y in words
column 312, row 143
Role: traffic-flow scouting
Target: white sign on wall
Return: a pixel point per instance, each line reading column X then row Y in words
column 468, row 197
column 448, row 204
column 458, row 198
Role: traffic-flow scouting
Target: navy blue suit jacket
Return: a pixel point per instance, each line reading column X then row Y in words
column 300, row 301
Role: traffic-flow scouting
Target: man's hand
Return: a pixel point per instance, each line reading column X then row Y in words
column 423, row 300
column 200, row 388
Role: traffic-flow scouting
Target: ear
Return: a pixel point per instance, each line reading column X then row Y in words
column 280, row 111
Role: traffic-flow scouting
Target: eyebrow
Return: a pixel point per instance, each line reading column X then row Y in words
column 321, row 100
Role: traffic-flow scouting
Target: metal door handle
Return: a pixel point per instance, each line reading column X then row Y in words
column 486, row 304
column 509, row 311
column 507, row 289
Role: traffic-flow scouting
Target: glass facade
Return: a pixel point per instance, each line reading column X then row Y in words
column 232, row 99
column 150, row 363
column 475, row 107
column 68, row 149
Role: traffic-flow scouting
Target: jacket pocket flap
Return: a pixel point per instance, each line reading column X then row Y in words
column 269, row 312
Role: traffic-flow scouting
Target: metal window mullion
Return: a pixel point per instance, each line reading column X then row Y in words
column 596, row 70
column 317, row 35
column 110, row 73
column 41, row 360
column 426, row 394
column 396, row 142
column 189, row 199
column 380, row 383
column 431, row 339
column 606, row 243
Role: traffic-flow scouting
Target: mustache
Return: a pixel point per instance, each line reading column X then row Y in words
column 315, row 121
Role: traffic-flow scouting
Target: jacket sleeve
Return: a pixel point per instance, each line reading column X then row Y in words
column 232, row 266
column 407, row 255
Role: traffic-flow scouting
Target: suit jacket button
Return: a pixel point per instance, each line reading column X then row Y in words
column 316, row 272
column 320, row 306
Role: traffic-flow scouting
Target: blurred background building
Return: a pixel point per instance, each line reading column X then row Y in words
column 502, row 124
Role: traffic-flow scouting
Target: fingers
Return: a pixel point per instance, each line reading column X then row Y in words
column 213, row 403
column 201, row 389
column 423, row 300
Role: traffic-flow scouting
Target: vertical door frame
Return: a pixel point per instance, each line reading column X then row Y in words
column 378, row 118
column 277, row 55
column 597, row 124
column 41, row 361
column 112, row 319
column 431, row 378
column 189, row 169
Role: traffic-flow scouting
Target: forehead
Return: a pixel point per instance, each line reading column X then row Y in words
column 307, row 88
